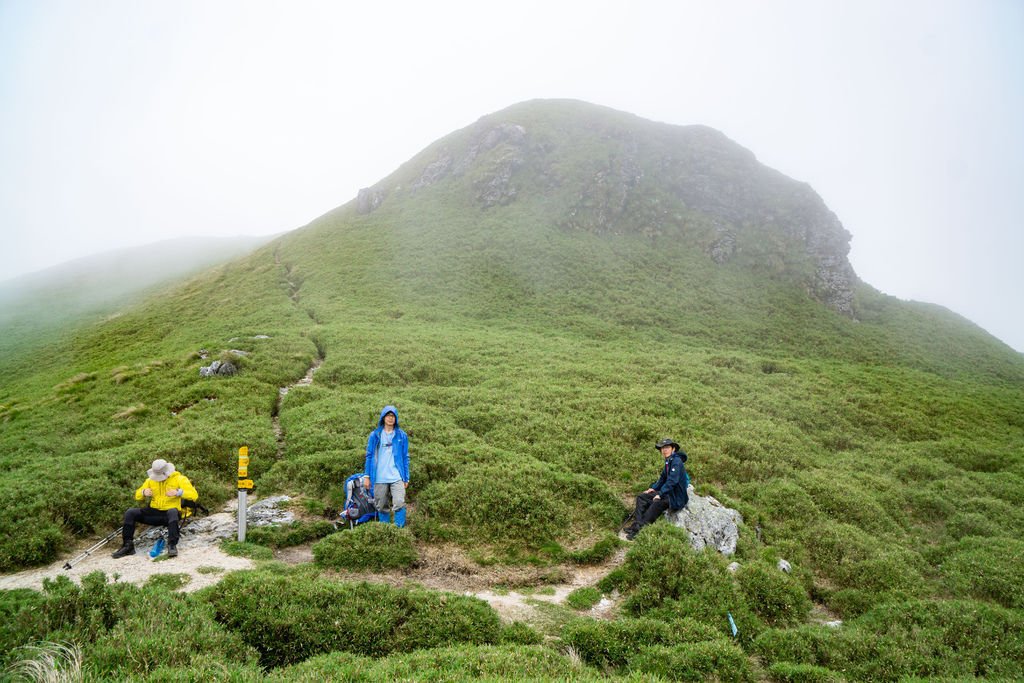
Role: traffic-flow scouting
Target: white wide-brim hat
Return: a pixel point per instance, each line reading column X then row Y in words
column 161, row 470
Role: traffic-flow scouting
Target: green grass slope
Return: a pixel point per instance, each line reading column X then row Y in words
column 540, row 322
column 50, row 303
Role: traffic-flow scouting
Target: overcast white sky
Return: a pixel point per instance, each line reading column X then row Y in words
column 124, row 122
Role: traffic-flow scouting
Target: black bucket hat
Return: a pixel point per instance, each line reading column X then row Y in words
column 665, row 442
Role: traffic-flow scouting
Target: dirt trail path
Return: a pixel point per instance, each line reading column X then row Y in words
column 200, row 558
column 512, row 591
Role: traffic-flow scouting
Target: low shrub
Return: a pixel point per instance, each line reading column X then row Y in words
column 895, row 570
column 717, row 660
column 804, row 645
column 773, row 595
column 663, row 576
column 369, row 546
column 785, row 502
column 539, row 503
column 613, row 580
column 290, row 616
column 203, row 668
column 930, row 503
column 583, row 598
column 920, row 638
column 840, row 497
column 246, row 549
column 159, row 628
column 288, row 535
column 20, row 620
column 461, row 663
column 965, row 524
column 613, row 643
column 598, row 553
column 832, row 544
column 123, row 630
column 521, row 634
column 987, row 568
column 786, row 672
column 169, row 582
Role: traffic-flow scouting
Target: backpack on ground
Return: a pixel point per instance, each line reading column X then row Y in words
column 359, row 507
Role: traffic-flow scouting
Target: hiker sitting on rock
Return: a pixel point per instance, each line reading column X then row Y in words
column 669, row 492
column 387, row 466
column 161, row 495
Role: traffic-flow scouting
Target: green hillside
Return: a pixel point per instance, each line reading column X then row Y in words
column 543, row 294
column 50, row 303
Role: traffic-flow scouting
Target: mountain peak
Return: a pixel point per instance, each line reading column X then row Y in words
column 592, row 169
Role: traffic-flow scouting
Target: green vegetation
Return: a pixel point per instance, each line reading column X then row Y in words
column 288, row 535
column 368, row 546
column 583, row 598
column 536, row 349
column 290, row 617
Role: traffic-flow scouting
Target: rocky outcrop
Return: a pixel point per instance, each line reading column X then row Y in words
column 709, row 523
column 493, row 157
column 223, row 368
column 269, row 511
column 368, row 200
column 603, row 203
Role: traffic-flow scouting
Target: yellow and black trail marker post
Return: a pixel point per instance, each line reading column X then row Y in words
column 244, row 486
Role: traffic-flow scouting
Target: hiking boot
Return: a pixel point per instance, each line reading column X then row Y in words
column 126, row 549
column 172, row 551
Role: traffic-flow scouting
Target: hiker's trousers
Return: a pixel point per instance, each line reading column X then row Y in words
column 167, row 518
column 387, row 497
column 648, row 510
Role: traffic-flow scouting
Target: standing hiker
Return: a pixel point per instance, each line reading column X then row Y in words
column 668, row 493
column 387, row 466
column 161, row 495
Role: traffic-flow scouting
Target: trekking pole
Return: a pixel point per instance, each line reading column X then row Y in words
column 89, row 551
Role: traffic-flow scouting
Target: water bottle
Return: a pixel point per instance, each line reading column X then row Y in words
column 158, row 547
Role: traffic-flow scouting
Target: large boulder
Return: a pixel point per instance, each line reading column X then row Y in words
column 709, row 523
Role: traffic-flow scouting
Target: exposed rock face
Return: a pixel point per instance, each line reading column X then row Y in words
column 601, row 205
column 368, row 200
column 709, row 523
column 724, row 247
column 494, row 155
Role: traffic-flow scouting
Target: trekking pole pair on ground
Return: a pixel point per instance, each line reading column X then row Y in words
column 90, row 550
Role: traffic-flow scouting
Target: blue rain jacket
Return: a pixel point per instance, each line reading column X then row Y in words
column 399, row 448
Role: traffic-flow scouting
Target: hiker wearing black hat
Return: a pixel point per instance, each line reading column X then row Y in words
column 162, row 493
column 668, row 493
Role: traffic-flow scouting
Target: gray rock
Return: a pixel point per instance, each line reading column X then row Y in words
column 268, row 511
column 210, row 370
column 709, row 523
column 227, row 369
column 367, row 201
column 435, row 171
column 784, row 566
column 733, row 567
